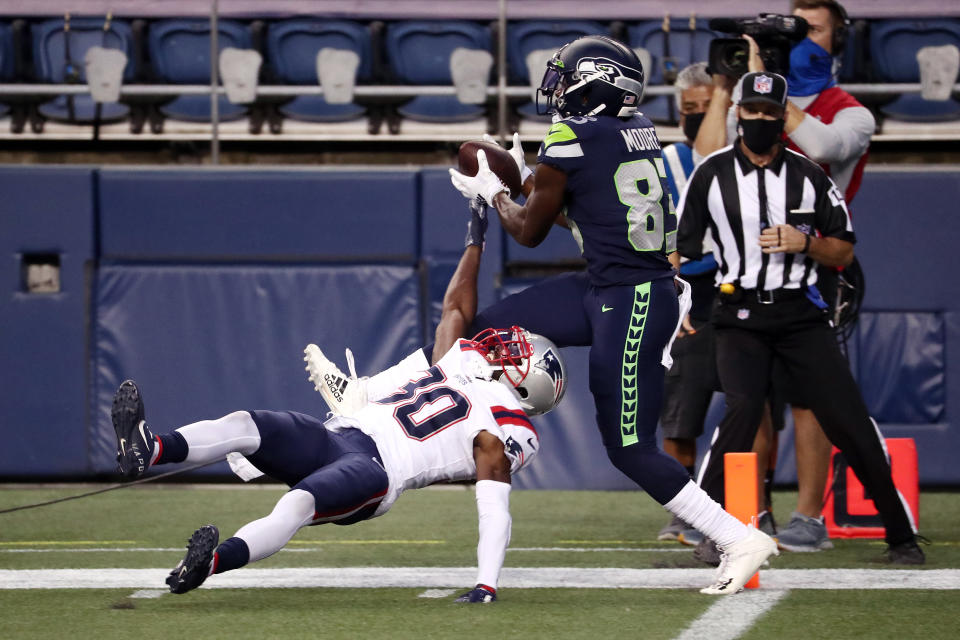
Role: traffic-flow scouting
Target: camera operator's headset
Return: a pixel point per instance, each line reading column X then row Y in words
column 840, row 32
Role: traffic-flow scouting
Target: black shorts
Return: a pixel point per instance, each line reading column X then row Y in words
column 690, row 383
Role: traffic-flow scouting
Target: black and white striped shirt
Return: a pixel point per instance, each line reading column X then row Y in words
column 735, row 199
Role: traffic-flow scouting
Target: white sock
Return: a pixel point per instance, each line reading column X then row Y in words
column 699, row 510
column 212, row 439
column 390, row 380
column 266, row 536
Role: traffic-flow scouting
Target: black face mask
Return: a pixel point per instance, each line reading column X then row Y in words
column 760, row 135
column 691, row 124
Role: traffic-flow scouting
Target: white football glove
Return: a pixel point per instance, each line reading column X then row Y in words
column 485, row 184
column 516, row 152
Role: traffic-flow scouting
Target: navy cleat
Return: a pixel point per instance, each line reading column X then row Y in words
column 198, row 563
column 480, row 593
column 135, row 443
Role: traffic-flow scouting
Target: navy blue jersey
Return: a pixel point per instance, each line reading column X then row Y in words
column 618, row 203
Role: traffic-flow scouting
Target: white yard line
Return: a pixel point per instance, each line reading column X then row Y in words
column 676, row 549
column 319, row 547
column 730, row 616
column 437, row 593
column 459, row 577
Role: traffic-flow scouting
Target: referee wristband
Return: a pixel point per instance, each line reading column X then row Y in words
column 806, row 243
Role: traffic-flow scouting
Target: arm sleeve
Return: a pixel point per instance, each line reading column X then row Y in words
column 831, row 214
column 847, row 137
column 493, row 510
column 693, row 214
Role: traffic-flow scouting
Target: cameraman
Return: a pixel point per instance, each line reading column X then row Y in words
column 823, row 121
column 832, row 128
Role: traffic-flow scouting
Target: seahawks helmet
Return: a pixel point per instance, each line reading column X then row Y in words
column 593, row 75
column 526, row 363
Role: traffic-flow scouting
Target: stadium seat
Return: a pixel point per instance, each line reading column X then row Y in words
column 894, row 45
column 291, row 53
column 6, row 59
column 59, row 50
column 180, row 53
column 853, row 59
column 418, row 53
column 525, row 38
column 669, row 53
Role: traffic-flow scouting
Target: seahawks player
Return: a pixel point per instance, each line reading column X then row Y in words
column 600, row 172
column 463, row 418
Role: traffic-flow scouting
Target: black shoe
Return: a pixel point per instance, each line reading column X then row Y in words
column 135, row 443
column 908, row 552
column 707, row 552
column 195, row 566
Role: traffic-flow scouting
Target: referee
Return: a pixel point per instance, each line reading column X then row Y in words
column 773, row 215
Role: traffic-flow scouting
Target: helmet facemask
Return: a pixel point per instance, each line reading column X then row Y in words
column 507, row 351
column 552, row 87
column 528, row 364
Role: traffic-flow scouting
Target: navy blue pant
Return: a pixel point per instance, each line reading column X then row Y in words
column 627, row 328
column 340, row 469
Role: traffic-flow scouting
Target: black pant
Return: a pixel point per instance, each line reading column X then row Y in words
column 749, row 336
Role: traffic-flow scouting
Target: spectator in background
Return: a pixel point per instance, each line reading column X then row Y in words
column 833, row 129
column 691, row 381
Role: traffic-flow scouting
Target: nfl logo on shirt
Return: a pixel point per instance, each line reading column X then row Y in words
column 743, row 314
column 763, row 84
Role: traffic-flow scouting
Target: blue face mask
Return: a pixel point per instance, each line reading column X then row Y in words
column 811, row 69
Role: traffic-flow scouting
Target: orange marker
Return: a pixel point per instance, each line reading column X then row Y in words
column 740, row 493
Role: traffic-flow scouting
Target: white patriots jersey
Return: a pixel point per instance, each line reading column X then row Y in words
column 425, row 429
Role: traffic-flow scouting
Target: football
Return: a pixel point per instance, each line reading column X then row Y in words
column 499, row 159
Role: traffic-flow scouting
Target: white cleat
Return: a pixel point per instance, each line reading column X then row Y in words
column 345, row 395
column 740, row 561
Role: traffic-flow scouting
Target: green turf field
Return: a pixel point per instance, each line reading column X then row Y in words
column 387, row 570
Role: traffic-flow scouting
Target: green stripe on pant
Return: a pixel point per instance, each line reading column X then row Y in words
column 631, row 350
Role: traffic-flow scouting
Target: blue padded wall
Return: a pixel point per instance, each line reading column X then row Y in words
column 253, row 215
column 908, row 344
column 203, row 341
column 211, row 281
column 43, row 336
column 906, row 238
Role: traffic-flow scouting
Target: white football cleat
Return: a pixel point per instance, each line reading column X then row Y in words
column 740, row 561
column 345, row 395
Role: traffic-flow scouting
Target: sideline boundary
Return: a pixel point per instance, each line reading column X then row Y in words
column 456, row 577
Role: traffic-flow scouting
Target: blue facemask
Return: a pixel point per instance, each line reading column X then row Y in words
column 811, row 69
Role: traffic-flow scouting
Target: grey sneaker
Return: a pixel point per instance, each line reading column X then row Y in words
column 690, row 537
column 707, row 552
column 766, row 523
column 672, row 529
column 804, row 533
